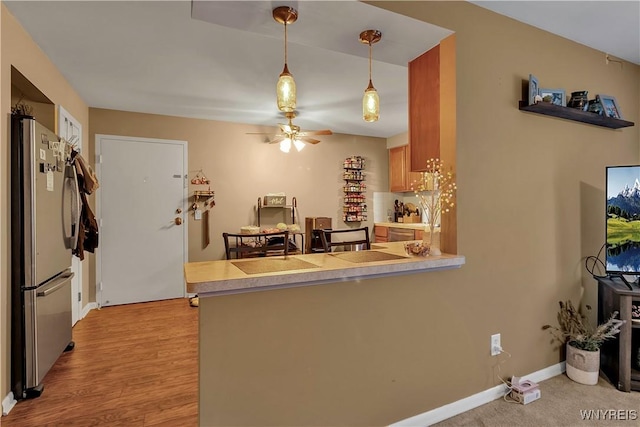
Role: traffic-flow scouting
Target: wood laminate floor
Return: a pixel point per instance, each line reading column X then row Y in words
column 133, row 365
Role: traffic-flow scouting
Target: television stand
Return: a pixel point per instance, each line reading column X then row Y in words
column 624, row 279
column 619, row 356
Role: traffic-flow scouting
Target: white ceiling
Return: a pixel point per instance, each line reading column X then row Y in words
column 220, row 60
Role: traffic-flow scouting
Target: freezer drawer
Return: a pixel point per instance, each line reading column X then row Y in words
column 48, row 326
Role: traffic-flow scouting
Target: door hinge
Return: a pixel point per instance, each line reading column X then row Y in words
column 99, row 158
column 100, row 286
column 79, row 297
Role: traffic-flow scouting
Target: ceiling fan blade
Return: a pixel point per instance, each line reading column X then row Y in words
column 316, row 132
column 277, row 139
column 258, row 133
column 285, row 128
column 309, row 140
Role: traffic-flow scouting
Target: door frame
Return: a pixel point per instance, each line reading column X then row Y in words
column 77, row 307
column 98, row 213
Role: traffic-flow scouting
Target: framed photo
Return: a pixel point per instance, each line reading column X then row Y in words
column 609, row 106
column 533, row 89
column 554, row 96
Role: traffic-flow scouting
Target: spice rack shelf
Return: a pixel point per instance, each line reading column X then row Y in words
column 568, row 113
column 354, row 207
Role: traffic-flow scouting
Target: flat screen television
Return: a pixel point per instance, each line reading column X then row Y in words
column 622, row 254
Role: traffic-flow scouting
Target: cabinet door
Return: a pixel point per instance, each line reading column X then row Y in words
column 398, row 169
column 380, row 231
column 424, row 108
column 413, row 178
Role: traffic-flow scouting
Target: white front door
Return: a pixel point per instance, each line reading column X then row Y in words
column 71, row 130
column 140, row 206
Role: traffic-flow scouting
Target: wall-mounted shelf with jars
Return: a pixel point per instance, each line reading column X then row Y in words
column 354, row 208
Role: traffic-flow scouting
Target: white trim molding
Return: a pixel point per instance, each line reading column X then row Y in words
column 452, row 409
column 8, row 403
column 87, row 308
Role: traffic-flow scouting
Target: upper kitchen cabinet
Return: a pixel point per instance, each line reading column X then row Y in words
column 424, row 108
column 432, row 105
column 400, row 175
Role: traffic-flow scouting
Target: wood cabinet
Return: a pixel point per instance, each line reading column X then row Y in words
column 400, row 176
column 381, row 233
column 424, row 108
column 619, row 357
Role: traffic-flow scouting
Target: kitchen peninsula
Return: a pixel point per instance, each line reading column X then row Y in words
column 276, row 351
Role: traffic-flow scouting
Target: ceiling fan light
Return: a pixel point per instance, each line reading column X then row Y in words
column 286, row 91
column 299, row 144
column 370, row 105
column 285, row 145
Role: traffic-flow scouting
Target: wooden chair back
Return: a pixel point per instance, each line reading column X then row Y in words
column 256, row 245
column 345, row 238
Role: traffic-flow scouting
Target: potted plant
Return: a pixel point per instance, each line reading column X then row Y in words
column 583, row 342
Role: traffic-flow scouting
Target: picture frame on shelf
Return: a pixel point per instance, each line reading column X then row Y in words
column 554, row 96
column 610, row 106
column 533, row 89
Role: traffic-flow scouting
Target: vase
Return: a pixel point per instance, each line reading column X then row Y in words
column 583, row 366
column 431, row 237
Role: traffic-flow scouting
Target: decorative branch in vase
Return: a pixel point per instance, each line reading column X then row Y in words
column 435, row 191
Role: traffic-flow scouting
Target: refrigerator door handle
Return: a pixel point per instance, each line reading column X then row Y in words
column 75, row 207
column 55, row 285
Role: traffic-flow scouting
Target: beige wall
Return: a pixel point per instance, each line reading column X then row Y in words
column 18, row 49
column 530, row 209
column 242, row 168
column 531, row 192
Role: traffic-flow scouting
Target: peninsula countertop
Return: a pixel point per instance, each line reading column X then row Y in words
column 211, row 278
column 412, row 225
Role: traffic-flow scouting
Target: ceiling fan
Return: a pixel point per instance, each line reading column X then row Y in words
column 292, row 134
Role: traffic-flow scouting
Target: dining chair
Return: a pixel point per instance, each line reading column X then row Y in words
column 347, row 238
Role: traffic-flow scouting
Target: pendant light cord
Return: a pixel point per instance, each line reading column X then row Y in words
column 369, row 62
column 285, row 42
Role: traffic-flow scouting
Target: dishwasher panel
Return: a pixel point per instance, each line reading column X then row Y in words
column 400, row 234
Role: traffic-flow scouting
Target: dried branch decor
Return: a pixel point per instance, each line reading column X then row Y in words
column 435, row 192
column 577, row 331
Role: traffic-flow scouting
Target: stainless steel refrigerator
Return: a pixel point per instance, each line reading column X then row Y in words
column 44, row 216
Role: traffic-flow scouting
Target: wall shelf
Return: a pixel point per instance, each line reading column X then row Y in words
column 354, row 205
column 568, row 113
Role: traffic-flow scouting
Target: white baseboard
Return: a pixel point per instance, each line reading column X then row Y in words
column 452, row 409
column 87, row 308
column 8, row 403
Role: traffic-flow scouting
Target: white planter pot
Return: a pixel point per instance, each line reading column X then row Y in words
column 583, row 366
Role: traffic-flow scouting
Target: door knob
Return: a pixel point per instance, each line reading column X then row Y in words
column 178, row 220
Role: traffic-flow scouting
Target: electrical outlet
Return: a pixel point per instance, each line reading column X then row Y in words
column 495, row 344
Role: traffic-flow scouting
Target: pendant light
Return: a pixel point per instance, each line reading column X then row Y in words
column 286, row 86
column 370, row 100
